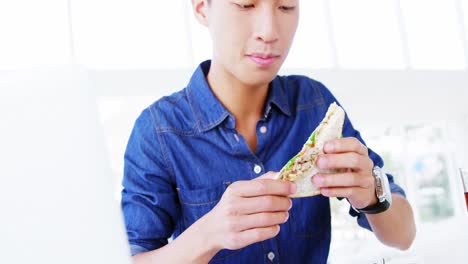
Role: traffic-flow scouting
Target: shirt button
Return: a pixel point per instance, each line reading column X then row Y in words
column 257, row 169
column 263, row 129
column 236, row 137
column 271, row 256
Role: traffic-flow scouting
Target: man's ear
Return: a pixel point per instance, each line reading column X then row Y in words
column 200, row 8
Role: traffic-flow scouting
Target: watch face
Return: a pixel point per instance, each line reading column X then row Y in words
column 379, row 188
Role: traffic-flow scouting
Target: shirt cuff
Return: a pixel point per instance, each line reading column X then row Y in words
column 136, row 249
column 362, row 219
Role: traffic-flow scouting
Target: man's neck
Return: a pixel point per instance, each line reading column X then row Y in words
column 245, row 103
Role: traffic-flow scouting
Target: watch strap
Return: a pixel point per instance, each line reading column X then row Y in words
column 383, row 203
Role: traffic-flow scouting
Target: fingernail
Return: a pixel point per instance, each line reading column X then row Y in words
column 317, row 180
column 292, row 188
column 329, row 147
column 290, row 204
column 287, row 217
column 321, row 162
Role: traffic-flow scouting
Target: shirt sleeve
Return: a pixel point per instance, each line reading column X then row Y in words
column 349, row 131
column 149, row 200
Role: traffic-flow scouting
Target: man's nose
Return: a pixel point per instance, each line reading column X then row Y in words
column 266, row 27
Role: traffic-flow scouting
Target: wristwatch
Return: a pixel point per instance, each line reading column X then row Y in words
column 382, row 191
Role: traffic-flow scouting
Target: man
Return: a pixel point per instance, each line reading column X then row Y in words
column 196, row 160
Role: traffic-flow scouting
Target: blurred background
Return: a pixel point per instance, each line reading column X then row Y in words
column 399, row 67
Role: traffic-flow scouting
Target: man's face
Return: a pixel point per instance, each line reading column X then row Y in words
column 251, row 38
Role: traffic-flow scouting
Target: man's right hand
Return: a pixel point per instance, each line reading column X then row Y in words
column 248, row 212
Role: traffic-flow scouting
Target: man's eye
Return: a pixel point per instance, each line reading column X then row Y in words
column 287, row 8
column 248, row 6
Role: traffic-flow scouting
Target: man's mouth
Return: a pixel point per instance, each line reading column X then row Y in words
column 263, row 60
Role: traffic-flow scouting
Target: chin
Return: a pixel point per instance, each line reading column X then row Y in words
column 259, row 76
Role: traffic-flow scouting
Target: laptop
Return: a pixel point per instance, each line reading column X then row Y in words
column 57, row 194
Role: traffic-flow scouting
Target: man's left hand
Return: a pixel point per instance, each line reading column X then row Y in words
column 354, row 179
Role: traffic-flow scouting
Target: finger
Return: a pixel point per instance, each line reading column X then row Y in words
column 345, row 192
column 350, row 160
column 262, row 187
column 342, row 145
column 343, row 179
column 261, row 204
column 246, row 222
column 272, row 175
column 258, row 234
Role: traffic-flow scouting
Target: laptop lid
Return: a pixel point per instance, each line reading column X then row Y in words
column 57, row 196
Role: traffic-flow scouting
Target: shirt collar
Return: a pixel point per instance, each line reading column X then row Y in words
column 278, row 96
column 208, row 110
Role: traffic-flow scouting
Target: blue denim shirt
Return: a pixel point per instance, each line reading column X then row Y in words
column 184, row 151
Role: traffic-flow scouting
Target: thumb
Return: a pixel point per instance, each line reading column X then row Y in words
column 272, row 175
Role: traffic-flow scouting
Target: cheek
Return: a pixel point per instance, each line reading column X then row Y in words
column 288, row 32
column 230, row 44
column 229, row 36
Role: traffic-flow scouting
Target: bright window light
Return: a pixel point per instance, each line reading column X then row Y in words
column 433, row 34
column 130, row 34
column 311, row 47
column 367, row 34
column 33, row 34
column 464, row 6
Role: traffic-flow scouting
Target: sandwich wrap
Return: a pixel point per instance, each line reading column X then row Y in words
column 301, row 168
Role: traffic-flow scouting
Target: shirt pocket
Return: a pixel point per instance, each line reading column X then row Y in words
column 196, row 203
column 310, row 216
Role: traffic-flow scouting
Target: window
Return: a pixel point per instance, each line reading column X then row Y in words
column 434, row 34
column 367, row 34
column 312, row 46
column 33, row 34
column 420, row 157
column 137, row 34
column 146, row 34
